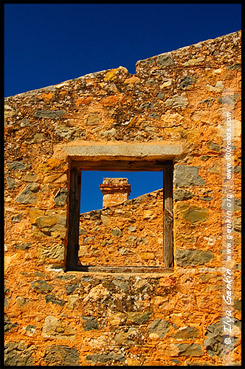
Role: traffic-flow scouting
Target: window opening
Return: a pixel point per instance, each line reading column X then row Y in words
column 75, row 254
column 140, row 182
column 125, row 230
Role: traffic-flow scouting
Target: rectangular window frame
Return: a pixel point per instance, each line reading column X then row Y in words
column 76, row 166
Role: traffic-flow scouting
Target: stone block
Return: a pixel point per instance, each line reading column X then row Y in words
column 61, row 355
column 186, row 349
column 193, row 257
column 93, row 119
column 41, row 286
column 159, row 327
column 185, row 175
column 28, row 195
column 186, row 333
column 54, row 328
column 52, row 114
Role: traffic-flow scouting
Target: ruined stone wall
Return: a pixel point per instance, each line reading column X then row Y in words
column 127, row 234
column 55, row 317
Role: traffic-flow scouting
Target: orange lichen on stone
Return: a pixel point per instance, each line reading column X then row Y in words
column 83, row 100
column 47, row 96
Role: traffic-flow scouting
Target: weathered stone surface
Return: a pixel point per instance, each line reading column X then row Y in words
column 46, row 221
column 187, row 332
column 164, row 60
column 186, row 81
column 23, row 245
column 16, row 165
column 195, row 214
column 193, row 61
column 93, row 119
column 229, row 100
column 161, row 95
column 185, row 175
column 16, row 218
column 116, row 232
column 121, row 284
column 9, row 112
column 52, row 114
column 166, row 83
column 90, row 323
column 159, row 327
column 20, row 301
column 8, row 325
column 104, row 358
column 10, row 182
column 54, row 328
column 30, row 177
column 35, row 213
column 237, row 204
column 28, row 195
column 65, row 131
column 138, row 317
column 132, row 229
column 186, row 349
column 18, row 354
column 213, row 146
column 180, row 195
column 55, row 251
column 60, row 197
column 129, row 151
column 30, row 330
column 176, row 101
column 215, row 334
column 71, row 288
column 97, row 293
column 193, row 257
column 238, row 224
column 105, row 219
column 41, row 286
column 61, row 355
column 238, row 305
column 52, row 298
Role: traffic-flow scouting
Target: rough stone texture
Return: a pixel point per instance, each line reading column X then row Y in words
column 28, row 196
column 216, row 335
column 104, row 358
column 61, row 355
column 185, row 175
column 18, row 354
column 54, row 328
column 172, row 109
column 90, row 323
column 159, row 327
column 190, row 350
column 193, row 257
column 187, row 332
column 41, row 286
column 114, row 243
column 180, row 195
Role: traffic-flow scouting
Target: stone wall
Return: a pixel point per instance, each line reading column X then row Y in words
column 127, row 234
column 174, row 318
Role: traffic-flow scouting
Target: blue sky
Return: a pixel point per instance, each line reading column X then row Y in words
column 45, row 44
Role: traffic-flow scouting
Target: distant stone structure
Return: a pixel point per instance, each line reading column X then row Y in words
column 115, row 191
column 151, row 281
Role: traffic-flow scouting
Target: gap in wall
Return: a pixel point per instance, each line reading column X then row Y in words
column 141, row 183
column 127, row 234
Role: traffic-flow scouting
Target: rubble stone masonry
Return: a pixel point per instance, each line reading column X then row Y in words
column 174, row 317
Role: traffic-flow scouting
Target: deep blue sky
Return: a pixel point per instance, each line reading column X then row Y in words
column 46, row 44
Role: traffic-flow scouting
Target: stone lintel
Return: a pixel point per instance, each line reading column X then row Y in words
column 125, row 151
